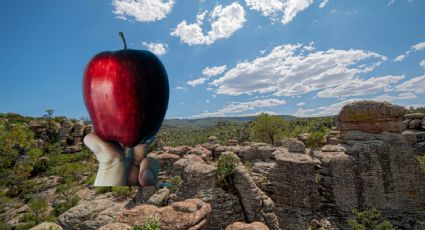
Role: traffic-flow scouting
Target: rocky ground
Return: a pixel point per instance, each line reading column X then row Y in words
column 368, row 161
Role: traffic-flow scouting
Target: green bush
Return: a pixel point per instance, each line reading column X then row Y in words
column 314, row 139
column 150, row 224
column 121, row 191
column 103, row 189
column 268, row 128
column 369, row 220
column 63, row 207
column 225, row 168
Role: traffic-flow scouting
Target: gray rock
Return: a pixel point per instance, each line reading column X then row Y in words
column 47, row 225
column 160, row 197
column 296, row 146
column 256, row 205
column 414, row 116
column 415, row 124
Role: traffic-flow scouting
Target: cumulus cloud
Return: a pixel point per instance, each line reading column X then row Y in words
column 213, row 71
column 224, row 22
column 142, row 10
column 156, row 48
column 196, row 82
column 266, row 7
column 334, row 108
column 406, row 96
column 416, row 84
column 239, row 107
column 400, row 57
column 289, row 71
column 207, row 73
column 422, row 63
column 180, row 88
column 360, row 87
column 418, row 47
column 301, row 104
column 323, row 3
column 273, row 8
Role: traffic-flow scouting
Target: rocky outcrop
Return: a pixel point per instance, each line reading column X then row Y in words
column 371, row 117
column 200, row 181
column 91, row 214
column 47, row 225
column 116, row 226
column 246, row 226
column 70, row 133
column 188, row 214
column 257, row 206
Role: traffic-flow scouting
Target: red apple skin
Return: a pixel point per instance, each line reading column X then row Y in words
column 126, row 93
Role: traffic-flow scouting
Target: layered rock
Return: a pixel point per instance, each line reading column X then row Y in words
column 188, row 214
column 247, row 226
column 371, row 117
column 200, row 181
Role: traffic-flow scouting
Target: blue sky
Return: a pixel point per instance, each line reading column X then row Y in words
column 223, row 58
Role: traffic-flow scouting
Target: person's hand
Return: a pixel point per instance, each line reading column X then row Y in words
column 116, row 169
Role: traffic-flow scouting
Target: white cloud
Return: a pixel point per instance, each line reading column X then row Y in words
column 257, row 113
column 142, row 10
column 180, row 88
column 391, row 2
column 360, row 87
column 272, row 8
column 289, row 71
column 207, row 73
column 422, row 63
column 400, row 57
column 213, row 71
column 323, row 3
column 224, row 22
column 156, row 48
column 416, row 85
column 266, row 7
column 419, row 47
column 239, row 107
column 304, row 112
column 292, row 7
column 328, row 110
column 406, row 96
column 301, row 104
column 196, row 82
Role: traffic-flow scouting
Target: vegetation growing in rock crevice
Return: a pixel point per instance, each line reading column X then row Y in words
column 149, row 224
column 226, row 165
column 369, row 220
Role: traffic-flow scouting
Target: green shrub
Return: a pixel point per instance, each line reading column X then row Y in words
column 369, row 220
column 248, row 165
column 225, row 168
column 150, row 224
column 121, row 191
column 103, row 189
column 314, row 139
column 63, row 207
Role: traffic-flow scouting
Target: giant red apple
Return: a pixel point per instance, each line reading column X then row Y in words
column 126, row 94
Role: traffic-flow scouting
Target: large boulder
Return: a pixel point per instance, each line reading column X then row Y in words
column 371, row 117
column 188, row 214
column 247, row 226
column 91, row 214
column 116, row 226
column 47, row 225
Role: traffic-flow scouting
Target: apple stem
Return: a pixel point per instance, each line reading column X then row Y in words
column 123, row 40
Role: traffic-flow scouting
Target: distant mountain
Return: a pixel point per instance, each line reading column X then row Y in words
column 211, row 121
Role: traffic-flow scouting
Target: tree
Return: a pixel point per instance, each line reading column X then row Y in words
column 37, row 205
column 267, row 128
column 369, row 220
column 51, row 133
